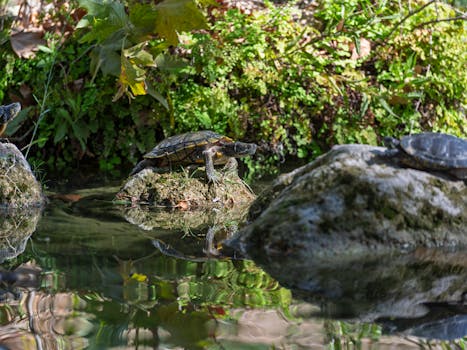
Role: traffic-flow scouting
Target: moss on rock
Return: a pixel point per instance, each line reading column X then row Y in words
column 186, row 189
column 18, row 186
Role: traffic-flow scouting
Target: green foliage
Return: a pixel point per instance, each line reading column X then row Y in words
column 301, row 89
column 344, row 335
column 360, row 70
column 122, row 37
column 245, row 81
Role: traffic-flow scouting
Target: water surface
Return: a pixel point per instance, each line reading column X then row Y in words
column 95, row 275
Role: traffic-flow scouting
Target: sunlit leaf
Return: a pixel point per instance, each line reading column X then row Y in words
column 105, row 18
column 138, row 88
column 139, row 56
column 112, row 11
column 177, row 16
column 101, row 30
column 386, row 106
column 133, row 77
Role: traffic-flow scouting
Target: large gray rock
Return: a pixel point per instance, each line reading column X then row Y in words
column 18, row 185
column 355, row 200
column 357, row 231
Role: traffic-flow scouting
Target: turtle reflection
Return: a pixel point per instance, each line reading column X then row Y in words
column 202, row 230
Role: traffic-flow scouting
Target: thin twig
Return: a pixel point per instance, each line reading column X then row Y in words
column 458, row 18
column 398, row 24
column 44, row 98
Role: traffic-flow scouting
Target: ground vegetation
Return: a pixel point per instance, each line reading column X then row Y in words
column 102, row 82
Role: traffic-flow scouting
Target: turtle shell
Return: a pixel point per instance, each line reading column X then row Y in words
column 185, row 148
column 435, row 150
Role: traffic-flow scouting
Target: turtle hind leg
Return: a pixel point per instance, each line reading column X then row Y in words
column 145, row 163
column 231, row 167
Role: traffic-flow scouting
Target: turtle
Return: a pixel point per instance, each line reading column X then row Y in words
column 432, row 152
column 204, row 147
column 7, row 113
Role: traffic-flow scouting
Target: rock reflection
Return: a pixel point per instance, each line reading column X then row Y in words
column 392, row 286
column 213, row 225
column 16, row 226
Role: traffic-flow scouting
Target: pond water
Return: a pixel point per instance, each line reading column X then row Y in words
column 89, row 274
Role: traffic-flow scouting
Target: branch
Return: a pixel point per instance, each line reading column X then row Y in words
column 458, row 18
column 410, row 14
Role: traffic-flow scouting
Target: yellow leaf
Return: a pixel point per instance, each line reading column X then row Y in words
column 138, row 88
column 139, row 277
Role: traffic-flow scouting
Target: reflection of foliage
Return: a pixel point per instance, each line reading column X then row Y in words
column 183, row 298
column 342, row 335
column 211, row 283
column 155, row 298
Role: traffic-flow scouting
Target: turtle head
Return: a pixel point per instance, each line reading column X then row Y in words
column 239, row 149
column 8, row 112
column 391, row 142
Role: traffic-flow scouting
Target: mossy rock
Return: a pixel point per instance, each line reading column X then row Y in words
column 18, row 185
column 355, row 200
column 185, row 189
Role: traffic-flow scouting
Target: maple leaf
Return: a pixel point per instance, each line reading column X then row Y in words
column 176, row 16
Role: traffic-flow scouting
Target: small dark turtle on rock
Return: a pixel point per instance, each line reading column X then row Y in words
column 8, row 113
column 199, row 148
column 432, row 152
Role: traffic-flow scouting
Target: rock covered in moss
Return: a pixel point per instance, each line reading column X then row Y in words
column 185, row 189
column 18, row 185
column 16, row 226
column 355, row 200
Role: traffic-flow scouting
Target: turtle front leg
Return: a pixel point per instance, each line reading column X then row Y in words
column 209, row 161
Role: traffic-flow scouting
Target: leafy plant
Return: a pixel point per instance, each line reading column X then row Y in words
column 128, row 40
column 357, row 71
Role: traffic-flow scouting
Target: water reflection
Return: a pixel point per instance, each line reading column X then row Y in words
column 16, row 226
column 102, row 283
column 420, row 293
